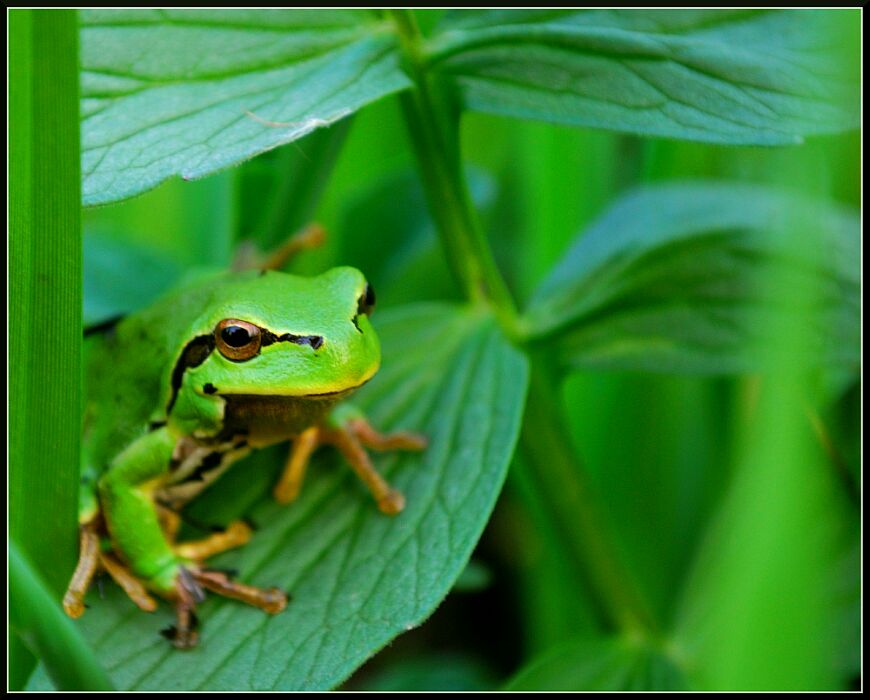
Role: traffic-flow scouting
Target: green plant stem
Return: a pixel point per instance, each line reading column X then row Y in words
column 45, row 333
column 433, row 126
column 38, row 620
column 45, row 303
column 561, row 480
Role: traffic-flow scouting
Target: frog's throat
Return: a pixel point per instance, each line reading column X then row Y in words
column 268, row 418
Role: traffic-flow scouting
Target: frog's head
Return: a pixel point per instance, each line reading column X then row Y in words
column 272, row 334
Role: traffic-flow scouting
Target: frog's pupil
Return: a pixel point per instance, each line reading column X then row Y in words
column 236, row 336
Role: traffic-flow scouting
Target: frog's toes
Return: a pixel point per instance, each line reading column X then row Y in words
column 392, row 503
column 271, row 600
column 381, row 442
column 185, row 634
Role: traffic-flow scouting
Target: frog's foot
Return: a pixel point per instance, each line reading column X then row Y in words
column 191, row 583
column 351, row 438
column 183, row 634
column 236, row 534
column 248, row 257
column 371, row 438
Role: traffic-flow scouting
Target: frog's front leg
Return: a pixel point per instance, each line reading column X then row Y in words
column 349, row 431
column 131, row 516
column 136, row 524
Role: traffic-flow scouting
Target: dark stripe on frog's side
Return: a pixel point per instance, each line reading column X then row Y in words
column 190, row 474
column 209, row 462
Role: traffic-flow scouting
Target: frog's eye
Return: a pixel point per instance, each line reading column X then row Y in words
column 366, row 303
column 237, row 340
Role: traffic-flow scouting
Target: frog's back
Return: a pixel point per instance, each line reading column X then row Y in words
column 128, row 371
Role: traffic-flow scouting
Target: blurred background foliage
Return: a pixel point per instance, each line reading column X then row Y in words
column 660, row 450
column 731, row 501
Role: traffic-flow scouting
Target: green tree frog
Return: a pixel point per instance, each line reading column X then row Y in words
column 181, row 390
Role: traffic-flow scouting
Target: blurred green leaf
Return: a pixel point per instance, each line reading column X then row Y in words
column 658, row 486
column 475, row 577
column 760, row 611
column 724, row 76
column 279, row 190
column 772, row 600
column 667, row 280
column 595, row 663
column 38, row 619
column 553, row 591
column 187, row 92
column 357, row 577
column 397, row 245
column 439, row 671
column 109, row 288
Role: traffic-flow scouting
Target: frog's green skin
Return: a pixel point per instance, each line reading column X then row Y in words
column 167, row 411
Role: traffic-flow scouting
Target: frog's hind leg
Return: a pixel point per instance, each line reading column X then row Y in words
column 89, row 561
column 131, row 585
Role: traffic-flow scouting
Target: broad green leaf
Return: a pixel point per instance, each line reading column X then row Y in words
column 37, row 617
column 601, row 664
column 357, row 577
column 667, row 280
column 189, row 92
column 723, row 76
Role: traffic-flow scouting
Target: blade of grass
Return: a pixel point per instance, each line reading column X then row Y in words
column 45, row 292
column 45, row 630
